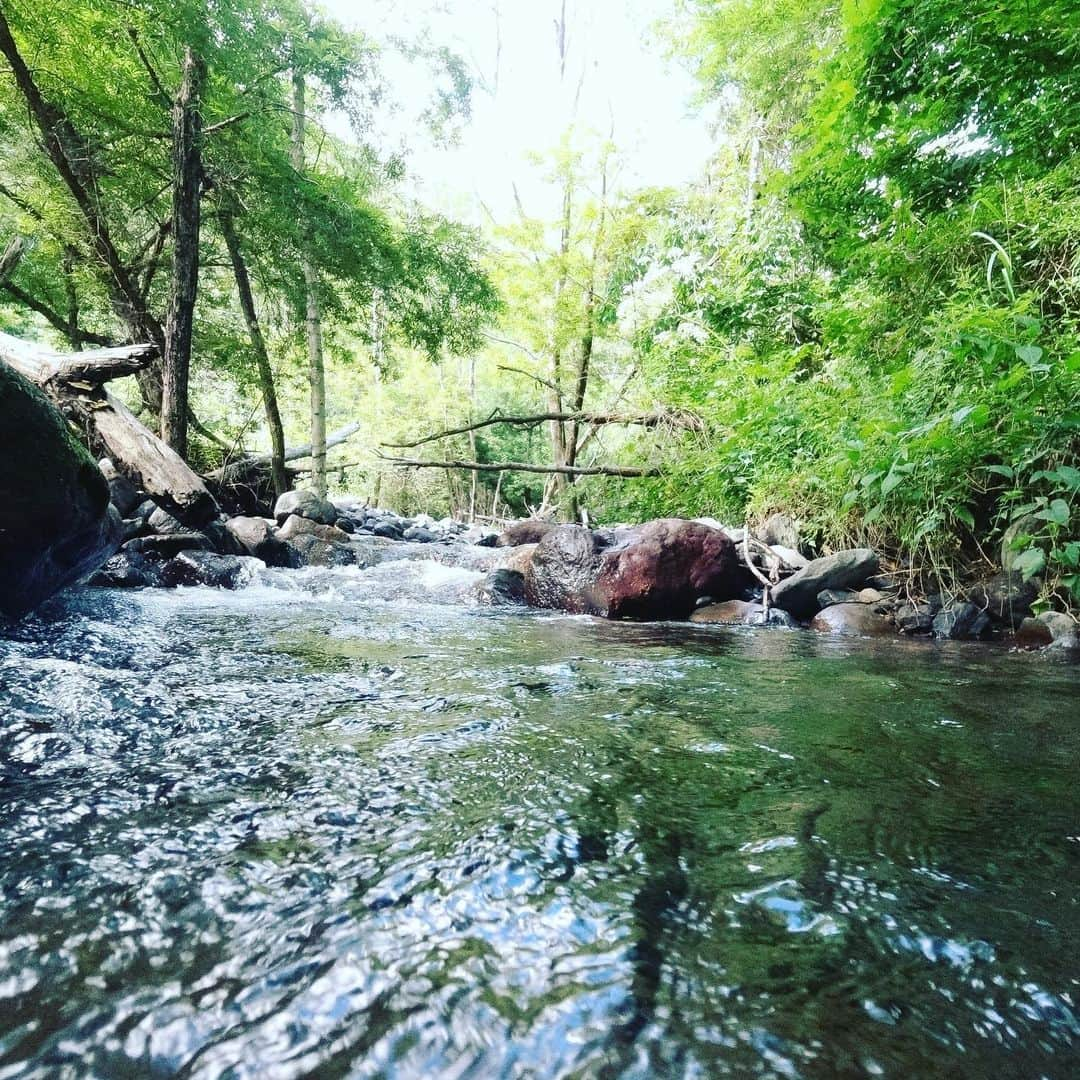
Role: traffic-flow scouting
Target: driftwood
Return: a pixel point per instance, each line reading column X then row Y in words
column 75, row 381
column 520, row 466
column 655, row 419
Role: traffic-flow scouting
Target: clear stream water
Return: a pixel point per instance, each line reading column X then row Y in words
column 349, row 824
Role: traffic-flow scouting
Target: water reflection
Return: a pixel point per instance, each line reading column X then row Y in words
column 348, row 824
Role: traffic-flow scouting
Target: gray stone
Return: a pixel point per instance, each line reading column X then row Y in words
column 728, row 613
column 305, row 504
column 391, row 530
column 961, row 622
column 844, row 570
column 782, row 530
column 297, row 526
column 790, row 559
column 257, row 538
column 1063, row 628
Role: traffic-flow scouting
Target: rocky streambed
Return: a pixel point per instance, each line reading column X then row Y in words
column 664, row 570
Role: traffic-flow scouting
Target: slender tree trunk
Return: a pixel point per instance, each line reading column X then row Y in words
column 557, row 484
column 258, row 349
column 184, row 287
column 316, row 369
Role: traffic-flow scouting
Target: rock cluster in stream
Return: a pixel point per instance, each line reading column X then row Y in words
column 668, row 569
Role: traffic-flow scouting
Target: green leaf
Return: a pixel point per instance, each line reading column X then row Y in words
column 1057, row 513
column 891, row 481
column 1030, row 562
column 872, row 515
column 1069, row 476
column 966, row 516
column 1030, row 354
column 1000, row 470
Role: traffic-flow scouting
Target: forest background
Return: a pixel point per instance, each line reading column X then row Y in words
column 861, row 309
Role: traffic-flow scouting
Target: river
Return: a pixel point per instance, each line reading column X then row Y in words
column 349, row 824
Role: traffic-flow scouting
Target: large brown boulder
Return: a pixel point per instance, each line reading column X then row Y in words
column 653, row 571
column 56, row 524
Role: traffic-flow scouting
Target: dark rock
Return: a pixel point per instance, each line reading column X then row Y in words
column 854, row 618
column 390, row 530
column 204, row 568
column 164, row 524
column 305, row 504
column 1006, row 598
column 256, row 538
column 915, row 618
column 222, row 540
column 308, row 550
column 421, row 535
column 128, row 570
column 844, row 570
column 502, row 587
column 125, row 496
column 297, row 526
column 144, row 511
column 56, row 521
column 1034, row 634
column 166, row 547
column 346, row 525
column 961, row 622
column 651, row 571
column 524, row 532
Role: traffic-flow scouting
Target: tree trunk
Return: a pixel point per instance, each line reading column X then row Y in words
column 258, row 348
column 316, row 370
column 187, row 197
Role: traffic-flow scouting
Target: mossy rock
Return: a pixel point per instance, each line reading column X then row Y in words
column 55, row 520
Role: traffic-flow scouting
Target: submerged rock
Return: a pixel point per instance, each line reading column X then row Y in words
column 844, row 570
column 56, row 522
column 915, row 618
column 502, row 588
column 742, row 613
column 853, row 618
column 652, row 571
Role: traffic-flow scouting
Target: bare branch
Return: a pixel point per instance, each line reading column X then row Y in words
column 520, row 466
column 656, row 419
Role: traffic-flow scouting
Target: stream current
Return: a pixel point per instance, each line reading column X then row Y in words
column 349, row 824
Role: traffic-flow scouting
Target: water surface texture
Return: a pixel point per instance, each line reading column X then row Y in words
column 348, row 824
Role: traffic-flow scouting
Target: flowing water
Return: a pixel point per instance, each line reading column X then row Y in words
column 349, row 824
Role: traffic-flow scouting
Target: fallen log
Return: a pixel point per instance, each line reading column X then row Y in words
column 75, row 382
